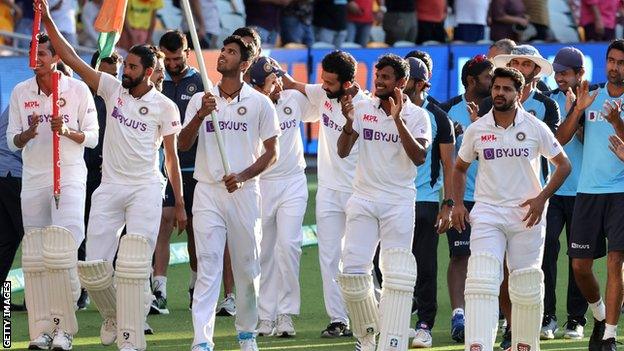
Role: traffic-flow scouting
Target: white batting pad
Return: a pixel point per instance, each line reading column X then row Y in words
column 526, row 291
column 483, row 281
column 398, row 268
column 357, row 291
column 59, row 259
column 36, row 284
column 134, row 262
column 97, row 278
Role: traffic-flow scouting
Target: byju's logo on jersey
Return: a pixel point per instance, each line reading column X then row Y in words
column 292, row 123
column 226, row 125
column 594, row 116
column 329, row 123
column 491, row 153
column 370, row 134
column 128, row 122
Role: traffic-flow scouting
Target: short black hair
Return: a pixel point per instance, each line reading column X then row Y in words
column 246, row 49
column 113, row 59
column 512, row 73
column 473, row 68
column 617, row 44
column 43, row 38
column 146, row 53
column 400, row 66
column 173, row 40
column 424, row 57
column 250, row 32
column 340, row 63
column 63, row 68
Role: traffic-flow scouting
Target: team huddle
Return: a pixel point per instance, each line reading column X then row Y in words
column 501, row 169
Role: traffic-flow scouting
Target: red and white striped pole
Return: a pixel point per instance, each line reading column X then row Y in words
column 34, row 42
column 56, row 150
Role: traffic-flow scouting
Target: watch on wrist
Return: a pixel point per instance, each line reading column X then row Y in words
column 448, row 202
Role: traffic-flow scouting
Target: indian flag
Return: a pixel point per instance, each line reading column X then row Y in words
column 109, row 23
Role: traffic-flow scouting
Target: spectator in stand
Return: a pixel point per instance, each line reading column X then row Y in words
column 360, row 19
column 264, row 15
column 64, row 15
column 10, row 14
column 88, row 15
column 507, row 17
column 139, row 23
column 598, row 19
column 206, row 15
column 330, row 21
column 431, row 15
column 24, row 25
column 399, row 21
column 501, row 47
column 471, row 18
column 296, row 23
column 537, row 10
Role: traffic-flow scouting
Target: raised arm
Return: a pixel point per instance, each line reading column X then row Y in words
column 65, row 51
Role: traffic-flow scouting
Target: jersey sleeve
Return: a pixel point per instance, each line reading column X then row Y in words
column 15, row 122
column 304, row 105
column 87, row 118
column 551, row 115
column 108, row 86
column 169, row 118
column 467, row 150
column 446, row 132
column 269, row 122
column 549, row 147
column 420, row 125
column 315, row 93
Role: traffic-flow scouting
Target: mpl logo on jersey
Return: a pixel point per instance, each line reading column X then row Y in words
column 226, row 125
column 369, row 118
column 328, row 106
column 329, row 123
column 31, row 104
column 370, row 134
column 488, row 138
column 492, row 153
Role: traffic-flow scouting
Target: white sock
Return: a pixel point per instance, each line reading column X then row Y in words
column 193, row 280
column 458, row 310
column 159, row 283
column 610, row 331
column 598, row 310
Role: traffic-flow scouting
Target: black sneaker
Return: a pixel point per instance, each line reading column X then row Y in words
column 335, row 330
column 506, row 342
column 159, row 305
column 595, row 340
column 83, row 300
column 191, row 291
column 609, row 345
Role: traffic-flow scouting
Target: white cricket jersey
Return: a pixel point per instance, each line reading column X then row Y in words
column 291, row 107
column 509, row 168
column 135, row 128
column 384, row 172
column 245, row 122
column 77, row 109
column 333, row 172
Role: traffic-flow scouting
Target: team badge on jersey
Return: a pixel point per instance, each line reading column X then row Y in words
column 242, row 110
column 520, row 136
column 267, row 67
column 287, row 110
column 191, row 89
column 143, row 110
column 61, row 102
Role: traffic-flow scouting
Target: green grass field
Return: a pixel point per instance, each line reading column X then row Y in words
column 175, row 331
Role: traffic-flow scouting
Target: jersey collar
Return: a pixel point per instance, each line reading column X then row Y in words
column 33, row 86
column 519, row 118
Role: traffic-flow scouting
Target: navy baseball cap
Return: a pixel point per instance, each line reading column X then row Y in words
column 568, row 58
column 418, row 69
column 262, row 68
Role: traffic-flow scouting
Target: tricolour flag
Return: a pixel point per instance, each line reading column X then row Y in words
column 109, row 23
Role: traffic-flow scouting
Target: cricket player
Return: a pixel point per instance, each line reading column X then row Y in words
column 599, row 200
column 335, row 176
column 140, row 119
column 508, row 215
column 52, row 233
column 227, row 206
column 393, row 135
column 284, row 192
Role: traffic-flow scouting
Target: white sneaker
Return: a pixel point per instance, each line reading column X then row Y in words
column 367, row 343
column 42, row 342
column 62, row 341
column 285, row 327
column 147, row 330
column 574, row 330
column 549, row 328
column 227, row 307
column 422, row 338
column 248, row 344
column 266, row 327
column 201, row 347
column 108, row 331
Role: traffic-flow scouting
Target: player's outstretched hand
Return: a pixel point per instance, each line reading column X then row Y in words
column 346, row 104
column 536, row 208
column 180, row 215
column 473, row 111
column 612, row 109
column 583, row 98
column 44, row 7
column 570, row 99
column 209, row 104
column 396, row 103
column 617, row 146
column 459, row 217
column 444, row 221
column 233, row 182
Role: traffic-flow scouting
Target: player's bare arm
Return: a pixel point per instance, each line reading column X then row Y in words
column 536, row 205
column 290, row 83
column 20, row 140
column 447, row 157
column 570, row 125
column 188, row 135
column 172, row 165
column 233, row 181
column 348, row 136
column 65, row 51
column 613, row 114
column 459, row 216
column 60, row 127
column 416, row 149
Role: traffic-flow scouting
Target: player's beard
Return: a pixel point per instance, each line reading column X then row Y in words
column 177, row 70
column 128, row 83
column 615, row 78
column 508, row 105
column 335, row 95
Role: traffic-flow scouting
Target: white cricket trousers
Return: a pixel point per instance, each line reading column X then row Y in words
column 283, row 207
column 138, row 207
column 368, row 224
column 219, row 216
column 497, row 229
column 331, row 206
column 39, row 209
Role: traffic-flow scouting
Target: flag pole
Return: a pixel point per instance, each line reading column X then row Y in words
column 186, row 7
column 34, row 41
column 56, row 150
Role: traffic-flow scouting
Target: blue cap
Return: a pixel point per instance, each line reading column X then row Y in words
column 262, row 68
column 568, row 58
column 418, row 69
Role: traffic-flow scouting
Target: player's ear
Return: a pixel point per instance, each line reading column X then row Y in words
column 148, row 72
column 347, row 85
